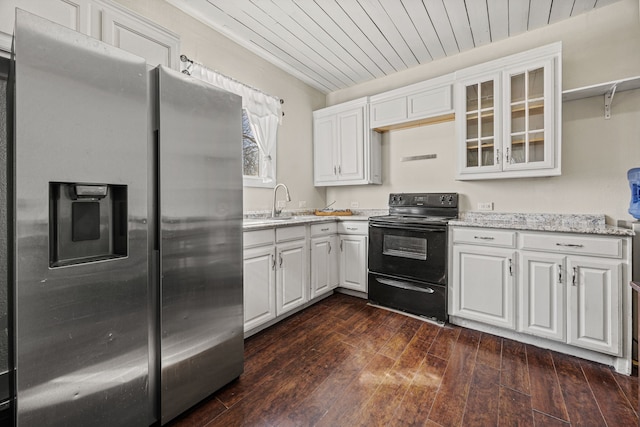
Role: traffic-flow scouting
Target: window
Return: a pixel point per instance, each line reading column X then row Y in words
column 250, row 149
column 261, row 115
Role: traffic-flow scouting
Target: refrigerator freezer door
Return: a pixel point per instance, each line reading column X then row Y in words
column 200, row 199
column 81, row 348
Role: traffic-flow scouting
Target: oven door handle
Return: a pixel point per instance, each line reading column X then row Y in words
column 410, row 228
column 404, row 285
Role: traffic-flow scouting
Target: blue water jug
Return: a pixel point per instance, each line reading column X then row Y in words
column 634, row 182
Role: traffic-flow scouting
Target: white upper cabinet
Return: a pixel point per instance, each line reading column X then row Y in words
column 74, row 14
column 413, row 104
column 529, row 126
column 508, row 116
column 138, row 35
column 102, row 19
column 345, row 150
column 479, row 124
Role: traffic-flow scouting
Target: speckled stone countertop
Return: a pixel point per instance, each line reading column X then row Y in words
column 566, row 223
column 260, row 219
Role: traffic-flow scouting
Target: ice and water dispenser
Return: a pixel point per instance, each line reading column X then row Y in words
column 87, row 222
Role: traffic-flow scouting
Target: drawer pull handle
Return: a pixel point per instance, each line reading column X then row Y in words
column 352, row 228
column 569, row 245
column 404, row 285
column 483, row 238
column 324, row 229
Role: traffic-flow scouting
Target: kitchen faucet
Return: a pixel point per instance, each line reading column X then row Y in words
column 275, row 212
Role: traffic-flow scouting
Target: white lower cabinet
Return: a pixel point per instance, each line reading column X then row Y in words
column 285, row 267
column 595, row 320
column 570, row 299
column 275, row 273
column 570, row 289
column 542, row 299
column 291, row 275
column 484, row 284
column 353, row 254
column 259, row 286
column 325, row 259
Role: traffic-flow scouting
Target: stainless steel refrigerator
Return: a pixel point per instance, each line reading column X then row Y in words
column 126, row 242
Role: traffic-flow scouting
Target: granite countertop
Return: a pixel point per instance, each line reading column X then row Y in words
column 259, row 220
column 566, row 223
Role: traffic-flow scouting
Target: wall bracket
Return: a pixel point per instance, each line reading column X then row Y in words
column 608, row 99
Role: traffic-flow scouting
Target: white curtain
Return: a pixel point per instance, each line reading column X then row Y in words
column 264, row 113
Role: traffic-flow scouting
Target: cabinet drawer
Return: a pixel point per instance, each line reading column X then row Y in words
column 258, row 238
column 610, row 247
column 429, row 103
column 290, row 233
column 389, row 111
column 324, row 229
column 485, row 236
column 353, row 227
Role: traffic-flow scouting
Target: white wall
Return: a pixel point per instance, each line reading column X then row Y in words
column 599, row 46
column 202, row 44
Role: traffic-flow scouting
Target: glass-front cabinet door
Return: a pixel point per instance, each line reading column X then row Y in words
column 528, row 121
column 479, row 124
column 508, row 115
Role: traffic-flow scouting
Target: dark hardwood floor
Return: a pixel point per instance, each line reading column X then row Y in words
column 343, row 363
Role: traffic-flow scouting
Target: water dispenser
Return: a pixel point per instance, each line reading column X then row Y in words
column 87, row 222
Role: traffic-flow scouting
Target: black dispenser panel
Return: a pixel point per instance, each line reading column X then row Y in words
column 87, row 222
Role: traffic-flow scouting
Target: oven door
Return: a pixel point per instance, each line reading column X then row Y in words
column 415, row 252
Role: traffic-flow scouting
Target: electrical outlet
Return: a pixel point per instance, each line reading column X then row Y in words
column 355, row 204
column 302, row 204
column 485, row 206
column 281, row 204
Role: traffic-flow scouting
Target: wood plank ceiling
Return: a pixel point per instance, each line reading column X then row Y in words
column 335, row 44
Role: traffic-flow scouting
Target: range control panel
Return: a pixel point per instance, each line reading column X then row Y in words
column 423, row 199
